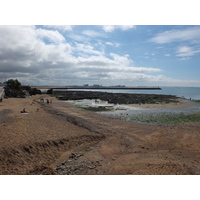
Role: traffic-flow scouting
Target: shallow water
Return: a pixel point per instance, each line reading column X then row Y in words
column 98, row 102
column 131, row 113
column 158, row 116
column 91, row 102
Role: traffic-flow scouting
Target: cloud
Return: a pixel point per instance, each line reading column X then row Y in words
column 121, row 59
column 111, row 28
column 109, row 43
column 185, row 51
column 51, row 35
column 112, row 44
column 87, row 49
column 166, row 81
column 86, row 35
column 26, row 55
column 77, row 37
column 118, row 65
column 60, row 27
column 91, row 33
column 175, row 35
column 22, row 49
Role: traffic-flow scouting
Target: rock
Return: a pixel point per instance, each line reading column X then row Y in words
column 116, row 98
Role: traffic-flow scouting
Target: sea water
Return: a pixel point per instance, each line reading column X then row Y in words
column 184, row 92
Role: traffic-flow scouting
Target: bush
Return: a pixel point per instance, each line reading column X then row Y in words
column 14, row 84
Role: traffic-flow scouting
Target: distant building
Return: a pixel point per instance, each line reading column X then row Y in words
column 95, row 85
column 119, row 86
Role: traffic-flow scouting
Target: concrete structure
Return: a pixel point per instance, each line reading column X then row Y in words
column 2, row 93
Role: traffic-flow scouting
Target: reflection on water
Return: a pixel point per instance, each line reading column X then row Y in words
column 124, row 109
column 91, row 102
column 98, row 102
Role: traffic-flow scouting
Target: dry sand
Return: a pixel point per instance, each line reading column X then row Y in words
column 59, row 139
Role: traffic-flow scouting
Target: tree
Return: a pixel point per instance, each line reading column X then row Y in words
column 14, row 84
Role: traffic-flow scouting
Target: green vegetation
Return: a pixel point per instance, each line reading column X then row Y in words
column 57, row 95
column 14, row 84
column 197, row 101
column 166, row 118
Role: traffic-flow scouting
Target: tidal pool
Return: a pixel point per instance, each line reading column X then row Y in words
column 180, row 114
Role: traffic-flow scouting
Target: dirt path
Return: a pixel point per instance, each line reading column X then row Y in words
column 59, row 139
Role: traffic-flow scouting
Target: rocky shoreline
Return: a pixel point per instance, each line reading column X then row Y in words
column 116, row 98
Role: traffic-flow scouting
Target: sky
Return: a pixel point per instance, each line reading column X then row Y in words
column 131, row 55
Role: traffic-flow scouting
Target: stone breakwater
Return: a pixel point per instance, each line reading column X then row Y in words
column 116, row 98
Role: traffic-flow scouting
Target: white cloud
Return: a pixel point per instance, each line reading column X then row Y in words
column 111, row 28
column 92, row 33
column 77, row 37
column 120, row 65
column 24, row 55
column 109, row 43
column 185, row 51
column 52, row 35
column 189, row 34
column 167, row 54
column 124, row 60
column 166, row 81
column 60, row 27
column 86, row 48
column 112, row 44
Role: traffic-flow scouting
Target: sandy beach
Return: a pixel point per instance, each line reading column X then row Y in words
column 58, row 138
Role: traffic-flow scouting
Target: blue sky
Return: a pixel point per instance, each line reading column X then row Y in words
column 131, row 55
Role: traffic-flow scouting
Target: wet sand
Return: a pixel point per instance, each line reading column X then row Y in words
column 60, row 139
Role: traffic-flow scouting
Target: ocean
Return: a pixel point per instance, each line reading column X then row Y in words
column 185, row 92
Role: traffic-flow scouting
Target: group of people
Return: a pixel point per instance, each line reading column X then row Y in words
column 24, row 111
column 41, row 100
column 47, row 100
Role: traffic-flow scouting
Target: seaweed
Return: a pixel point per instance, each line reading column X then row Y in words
column 166, row 118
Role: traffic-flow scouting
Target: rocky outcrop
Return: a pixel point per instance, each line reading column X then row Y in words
column 31, row 91
column 116, row 98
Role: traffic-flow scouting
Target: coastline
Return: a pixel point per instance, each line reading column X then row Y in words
column 61, row 139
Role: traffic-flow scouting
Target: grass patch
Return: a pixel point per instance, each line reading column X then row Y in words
column 57, row 95
column 197, row 101
column 166, row 118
